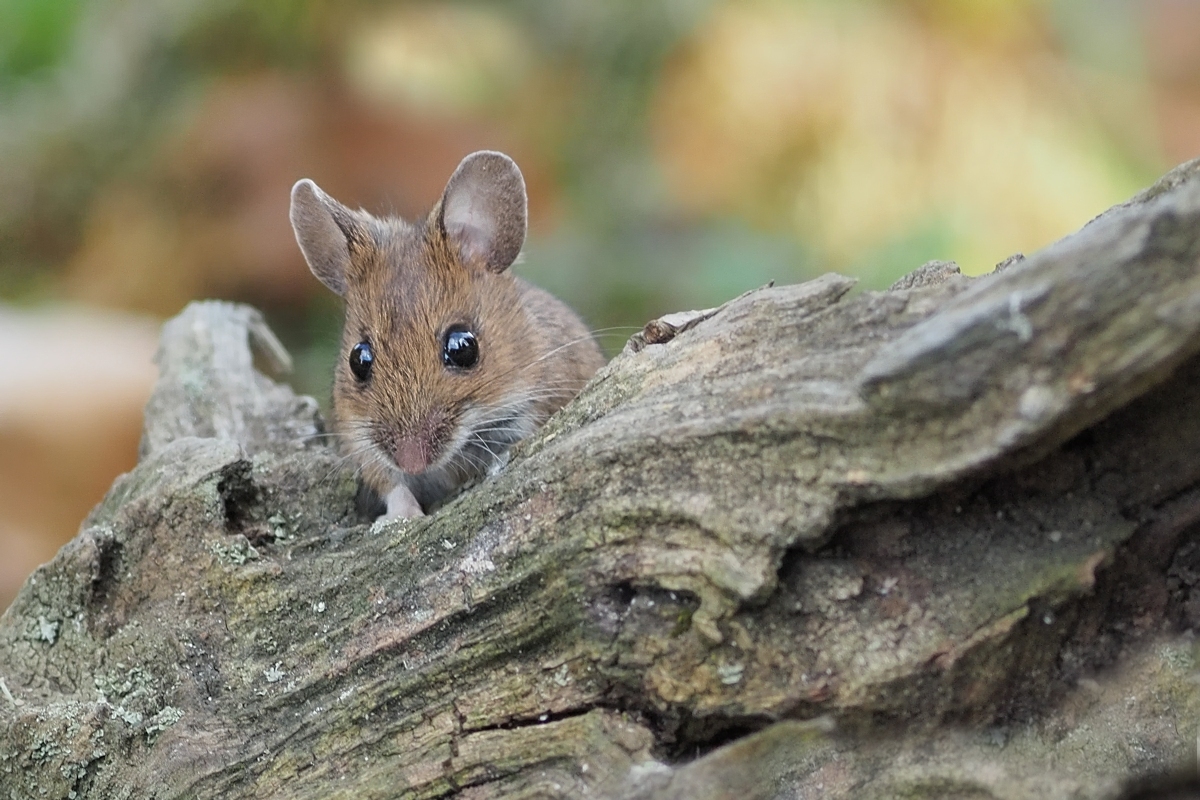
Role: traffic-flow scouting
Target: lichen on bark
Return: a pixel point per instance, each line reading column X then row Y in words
column 902, row 543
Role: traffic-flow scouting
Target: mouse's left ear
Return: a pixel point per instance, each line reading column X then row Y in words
column 483, row 210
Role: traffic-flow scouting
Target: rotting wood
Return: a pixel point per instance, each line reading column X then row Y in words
column 922, row 518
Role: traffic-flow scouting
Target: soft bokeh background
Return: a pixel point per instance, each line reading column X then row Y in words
column 677, row 153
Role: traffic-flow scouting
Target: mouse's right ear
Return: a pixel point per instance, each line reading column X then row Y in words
column 324, row 230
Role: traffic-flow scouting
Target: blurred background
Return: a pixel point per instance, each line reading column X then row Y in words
column 677, row 152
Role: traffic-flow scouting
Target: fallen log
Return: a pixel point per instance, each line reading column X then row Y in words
column 935, row 541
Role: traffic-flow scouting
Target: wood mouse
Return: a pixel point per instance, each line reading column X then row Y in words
column 447, row 359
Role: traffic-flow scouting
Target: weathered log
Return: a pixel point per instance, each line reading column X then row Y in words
column 936, row 541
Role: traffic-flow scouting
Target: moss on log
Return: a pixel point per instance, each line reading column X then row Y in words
column 938, row 541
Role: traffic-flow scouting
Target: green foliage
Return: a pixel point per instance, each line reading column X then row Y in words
column 34, row 35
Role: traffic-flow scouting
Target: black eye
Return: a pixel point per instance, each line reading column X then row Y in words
column 361, row 359
column 460, row 348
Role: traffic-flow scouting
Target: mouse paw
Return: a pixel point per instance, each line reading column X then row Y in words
column 401, row 504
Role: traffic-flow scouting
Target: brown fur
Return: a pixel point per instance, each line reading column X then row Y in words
column 405, row 285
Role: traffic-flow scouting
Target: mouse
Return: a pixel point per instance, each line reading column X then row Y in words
column 447, row 359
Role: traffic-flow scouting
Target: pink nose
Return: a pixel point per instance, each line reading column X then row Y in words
column 412, row 455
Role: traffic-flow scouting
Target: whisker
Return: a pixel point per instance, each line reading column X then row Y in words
column 563, row 346
column 308, row 437
column 616, row 330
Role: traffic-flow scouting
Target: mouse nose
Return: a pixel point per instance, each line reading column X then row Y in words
column 412, row 454
column 415, row 448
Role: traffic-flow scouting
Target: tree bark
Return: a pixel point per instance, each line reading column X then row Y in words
column 938, row 541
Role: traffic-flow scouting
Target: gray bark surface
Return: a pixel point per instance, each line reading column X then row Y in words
column 940, row 541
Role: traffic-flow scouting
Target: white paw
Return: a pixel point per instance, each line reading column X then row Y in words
column 401, row 504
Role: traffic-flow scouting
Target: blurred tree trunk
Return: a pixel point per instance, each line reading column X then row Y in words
column 812, row 543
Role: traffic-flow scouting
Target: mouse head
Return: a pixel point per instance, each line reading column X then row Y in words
column 436, row 340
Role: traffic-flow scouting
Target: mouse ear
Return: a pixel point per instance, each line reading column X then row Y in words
column 324, row 230
column 483, row 209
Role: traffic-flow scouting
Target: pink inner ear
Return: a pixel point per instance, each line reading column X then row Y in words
column 474, row 242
